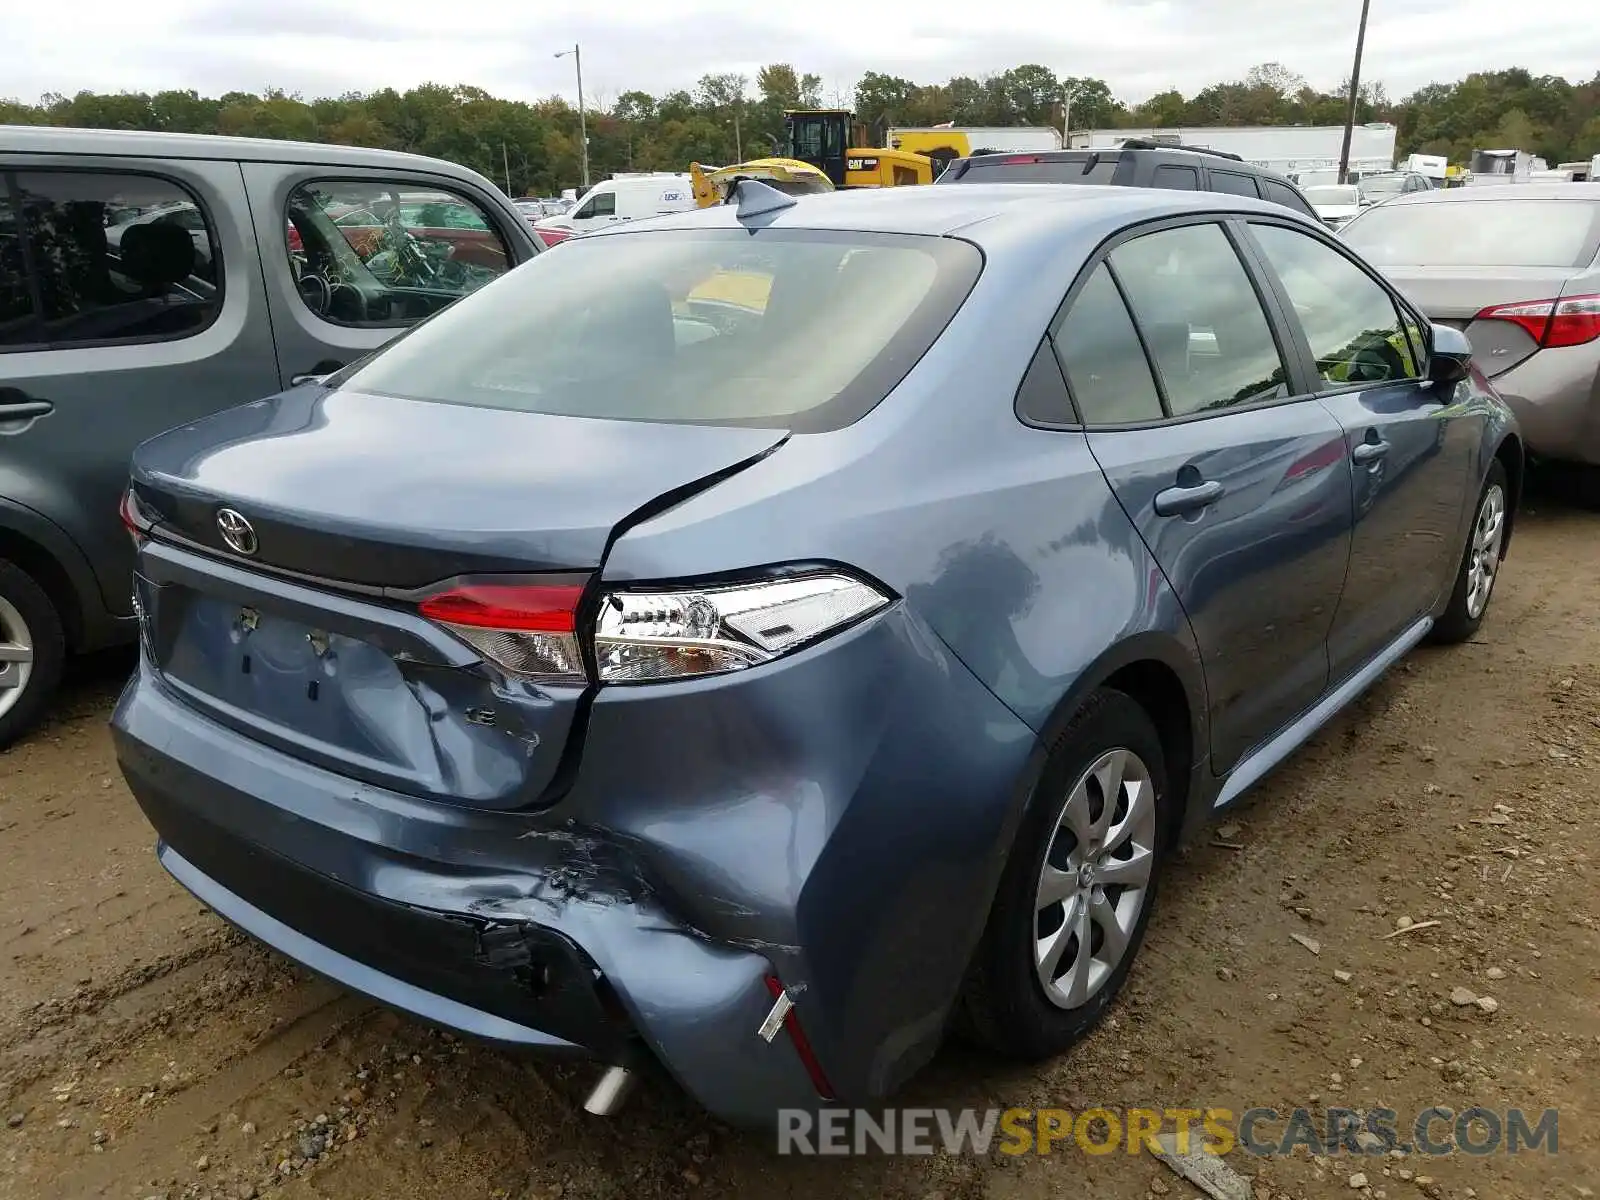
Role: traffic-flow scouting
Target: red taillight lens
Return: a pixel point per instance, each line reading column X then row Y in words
column 524, row 608
column 1021, row 158
column 1569, row 321
column 528, row 629
column 802, row 1044
column 551, row 237
column 136, row 525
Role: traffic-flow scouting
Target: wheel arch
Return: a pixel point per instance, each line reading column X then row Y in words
column 1163, row 676
column 52, row 577
column 1511, row 455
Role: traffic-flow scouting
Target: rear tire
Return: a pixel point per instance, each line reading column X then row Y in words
column 1060, row 939
column 33, row 650
column 1480, row 562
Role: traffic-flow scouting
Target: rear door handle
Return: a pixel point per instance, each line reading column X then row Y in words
column 1370, row 451
column 1174, row 501
column 21, row 410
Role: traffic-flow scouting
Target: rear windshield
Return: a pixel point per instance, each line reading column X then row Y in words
column 802, row 330
column 1478, row 233
column 1025, row 168
column 1333, row 195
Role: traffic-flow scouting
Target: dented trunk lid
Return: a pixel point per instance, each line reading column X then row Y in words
column 311, row 641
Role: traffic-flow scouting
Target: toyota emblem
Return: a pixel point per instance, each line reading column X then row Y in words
column 236, row 531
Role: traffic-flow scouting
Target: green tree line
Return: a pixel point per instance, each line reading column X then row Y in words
column 533, row 148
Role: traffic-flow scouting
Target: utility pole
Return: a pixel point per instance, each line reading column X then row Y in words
column 738, row 141
column 583, row 127
column 505, row 165
column 1355, row 94
column 1066, row 117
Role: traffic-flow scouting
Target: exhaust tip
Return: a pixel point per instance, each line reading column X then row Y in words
column 610, row 1092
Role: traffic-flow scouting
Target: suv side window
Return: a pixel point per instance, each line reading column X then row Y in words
column 17, row 324
column 1233, row 183
column 1099, row 352
column 1279, row 193
column 377, row 254
column 1185, row 179
column 1349, row 319
column 110, row 258
column 1199, row 313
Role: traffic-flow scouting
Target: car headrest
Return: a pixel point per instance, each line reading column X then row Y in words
column 157, row 255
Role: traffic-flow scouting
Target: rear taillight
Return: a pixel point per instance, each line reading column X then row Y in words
column 551, row 237
column 1569, row 321
column 642, row 637
column 132, row 520
column 532, row 630
column 529, row 629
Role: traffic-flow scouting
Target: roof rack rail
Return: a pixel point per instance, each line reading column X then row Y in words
column 1148, row 144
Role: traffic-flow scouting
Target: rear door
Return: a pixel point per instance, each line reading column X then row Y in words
column 353, row 256
column 1240, row 487
column 1411, row 450
column 136, row 305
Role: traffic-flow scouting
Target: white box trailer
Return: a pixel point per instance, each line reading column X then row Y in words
column 1434, row 166
column 1287, row 149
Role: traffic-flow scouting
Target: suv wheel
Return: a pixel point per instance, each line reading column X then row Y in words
column 1076, row 895
column 32, row 650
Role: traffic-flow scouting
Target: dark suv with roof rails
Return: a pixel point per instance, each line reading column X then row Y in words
column 1138, row 162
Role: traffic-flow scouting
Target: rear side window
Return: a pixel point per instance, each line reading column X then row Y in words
column 1185, row 179
column 1478, row 233
column 1282, row 193
column 374, row 253
column 789, row 329
column 1199, row 314
column 1233, row 183
column 1350, row 321
column 1102, row 359
column 99, row 258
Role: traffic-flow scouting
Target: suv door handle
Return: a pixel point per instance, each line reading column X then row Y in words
column 17, row 405
column 1371, row 450
column 1174, row 501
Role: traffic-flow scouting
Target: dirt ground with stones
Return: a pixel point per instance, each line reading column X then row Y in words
column 146, row 1050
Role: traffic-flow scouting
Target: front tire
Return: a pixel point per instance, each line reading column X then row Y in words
column 32, row 651
column 1480, row 562
column 1073, row 903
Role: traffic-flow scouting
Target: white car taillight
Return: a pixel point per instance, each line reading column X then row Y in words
column 643, row 637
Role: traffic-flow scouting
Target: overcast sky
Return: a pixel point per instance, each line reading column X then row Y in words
column 323, row 47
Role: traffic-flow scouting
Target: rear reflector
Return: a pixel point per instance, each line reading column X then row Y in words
column 802, row 1046
column 1570, row 321
column 136, row 525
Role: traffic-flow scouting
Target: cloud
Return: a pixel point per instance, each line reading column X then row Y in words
column 1138, row 46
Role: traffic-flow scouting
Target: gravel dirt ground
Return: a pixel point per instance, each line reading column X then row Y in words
column 146, row 1050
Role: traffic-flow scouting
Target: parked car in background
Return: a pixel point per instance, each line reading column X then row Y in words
column 795, row 599
column 1336, row 203
column 1517, row 267
column 1136, row 163
column 625, row 198
column 1376, row 188
column 147, row 280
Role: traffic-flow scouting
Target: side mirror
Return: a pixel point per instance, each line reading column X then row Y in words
column 1449, row 355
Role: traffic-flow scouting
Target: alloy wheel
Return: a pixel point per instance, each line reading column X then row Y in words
column 1095, row 880
column 1483, row 557
column 16, row 656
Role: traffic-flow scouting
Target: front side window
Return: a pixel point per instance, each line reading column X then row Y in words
column 17, row 312
column 783, row 329
column 1349, row 320
column 1205, row 327
column 113, row 258
column 1283, row 194
column 1102, row 359
column 382, row 254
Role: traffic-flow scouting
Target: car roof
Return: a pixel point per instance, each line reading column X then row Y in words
column 1501, row 191
column 142, row 143
column 940, row 211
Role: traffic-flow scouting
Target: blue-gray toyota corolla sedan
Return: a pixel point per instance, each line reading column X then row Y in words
column 759, row 640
